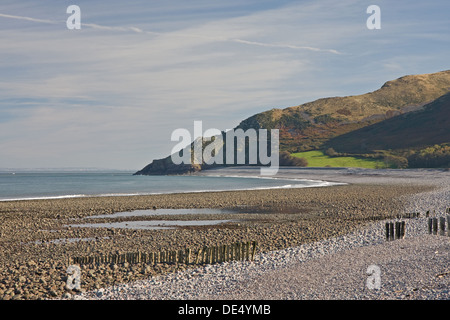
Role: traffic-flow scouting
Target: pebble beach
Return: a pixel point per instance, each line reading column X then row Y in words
column 313, row 243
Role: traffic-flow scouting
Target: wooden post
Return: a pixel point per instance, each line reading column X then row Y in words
column 391, row 231
column 442, row 226
column 402, row 230
column 247, row 253
column 387, row 231
column 188, row 256
column 255, row 243
column 204, row 255
column 218, row 254
column 430, row 225
column 240, row 251
column 210, row 255
column 397, row 230
column 448, row 225
column 224, row 253
column 435, row 226
column 197, row 260
column 233, row 253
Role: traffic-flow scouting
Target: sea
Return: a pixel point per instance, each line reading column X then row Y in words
column 32, row 185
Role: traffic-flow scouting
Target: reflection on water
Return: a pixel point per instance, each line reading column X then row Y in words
column 148, row 225
column 67, row 240
column 160, row 212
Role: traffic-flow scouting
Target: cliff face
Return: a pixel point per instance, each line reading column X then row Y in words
column 312, row 125
column 167, row 167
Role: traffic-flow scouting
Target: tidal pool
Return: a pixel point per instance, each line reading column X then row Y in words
column 160, row 212
column 149, row 225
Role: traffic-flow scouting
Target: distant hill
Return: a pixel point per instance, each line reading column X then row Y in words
column 427, row 126
column 308, row 126
column 320, row 123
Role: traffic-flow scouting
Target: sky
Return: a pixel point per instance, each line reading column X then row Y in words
column 109, row 95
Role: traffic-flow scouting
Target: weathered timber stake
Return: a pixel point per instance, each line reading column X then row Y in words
column 387, row 231
column 391, row 231
column 448, row 225
column 402, row 229
column 397, row 230
column 255, row 243
column 442, row 226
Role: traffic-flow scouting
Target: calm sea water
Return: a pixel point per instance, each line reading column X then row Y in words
column 46, row 185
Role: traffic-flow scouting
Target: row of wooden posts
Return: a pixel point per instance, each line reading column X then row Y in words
column 395, row 230
column 411, row 215
column 206, row 255
column 437, row 226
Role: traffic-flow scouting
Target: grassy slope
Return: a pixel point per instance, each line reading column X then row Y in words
column 422, row 128
column 319, row 159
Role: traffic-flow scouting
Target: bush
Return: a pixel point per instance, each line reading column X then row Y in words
column 431, row 157
column 396, row 162
column 287, row 160
column 331, row 152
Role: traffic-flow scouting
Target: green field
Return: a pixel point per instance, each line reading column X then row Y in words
column 319, row 159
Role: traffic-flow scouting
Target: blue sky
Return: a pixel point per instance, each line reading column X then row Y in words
column 110, row 95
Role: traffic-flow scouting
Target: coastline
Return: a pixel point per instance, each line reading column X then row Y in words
column 313, row 183
column 307, row 215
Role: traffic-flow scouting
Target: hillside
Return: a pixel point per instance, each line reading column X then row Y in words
column 418, row 129
column 308, row 126
column 312, row 125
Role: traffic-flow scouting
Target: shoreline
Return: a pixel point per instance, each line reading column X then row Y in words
column 278, row 219
column 318, row 183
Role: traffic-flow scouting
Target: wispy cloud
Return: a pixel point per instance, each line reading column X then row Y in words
column 175, row 34
column 111, row 93
column 9, row 16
